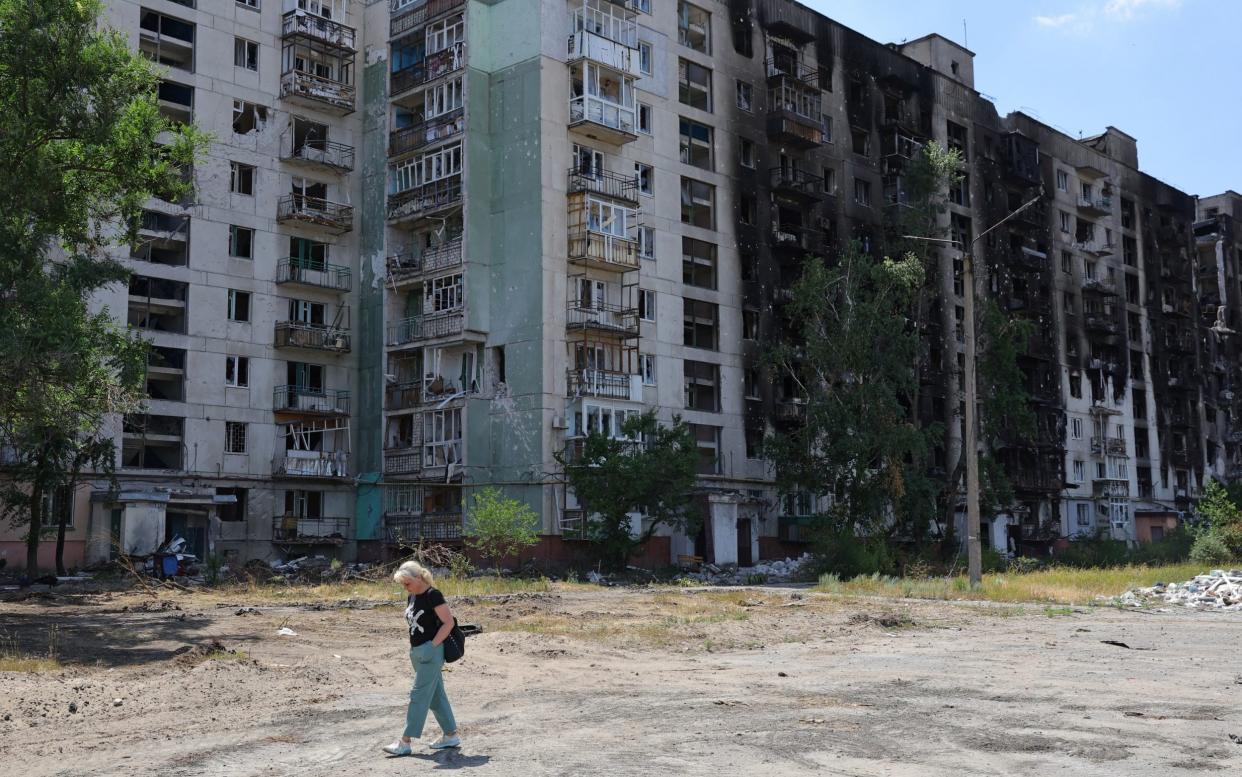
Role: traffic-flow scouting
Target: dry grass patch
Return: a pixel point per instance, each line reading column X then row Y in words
column 13, row 659
column 384, row 589
column 1055, row 585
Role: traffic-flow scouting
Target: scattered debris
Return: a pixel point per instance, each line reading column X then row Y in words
column 781, row 674
column 1115, row 643
column 886, row 620
column 816, row 721
column 285, row 631
column 247, row 611
column 729, row 703
column 1218, row 590
column 766, row 572
column 117, row 702
column 73, row 707
column 1237, row 740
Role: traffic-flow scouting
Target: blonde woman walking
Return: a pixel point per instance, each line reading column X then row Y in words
column 430, row 620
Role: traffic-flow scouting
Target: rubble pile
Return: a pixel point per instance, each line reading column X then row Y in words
column 1217, row 590
column 780, row 571
column 314, row 568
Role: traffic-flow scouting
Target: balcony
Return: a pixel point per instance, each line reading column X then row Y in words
column 1111, row 488
column 1096, row 206
column 604, row 120
column 314, row 91
column 301, row 24
column 403, row 268
column 1101, row 325
column 320, row 275
column 302, row 400
column 292, row 530
column 798, row 183
column 1029, row 258
column 602, row 318
column 605, row 32
column 795, row 115
column 428, row 69
column 315, row 211
column 407, row 15
column 416, row 136
column 1095, row 247
column 425, row 200
column 403, row 460
column 603, row 251
column 1100, row 286
column 315, row 337
column 428, row 327
column 603, row 182
column 787, row 67
column 311, row 464
column 409, row 530
column 790, row 237
column 337, row 157
column 789, row 411
column 1108, row 446
column 605, row 384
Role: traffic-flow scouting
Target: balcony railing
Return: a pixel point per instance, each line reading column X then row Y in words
column 409, row 530
column 409, row 14
column 328, row 153
column 609, row 252
column 796, row 181
column 1111, row 488
column 411, row 138
column 297, row 334
column 794, row 237
column 1102, row 205
column 310, row 531
column 1111, row 446
column 311, row 464
column 427, row 327
column 317, row 211
column 312, row 273
column 403, row 461
column 602, row 317
column 402, row 267
column 791, row 69
column 415, row 393
column 317, row 28
column 604, row 384
column 300, row 399
column 619, row 119
column 607, row 183
column 789, row 410
column 429, row 68
column 318, row 90
column 1099, row 286
column 427, row 198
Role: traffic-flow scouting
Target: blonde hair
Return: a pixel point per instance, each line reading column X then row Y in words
column 412, row 569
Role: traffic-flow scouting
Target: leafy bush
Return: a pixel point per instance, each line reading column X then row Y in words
column 1023, row 565
column 849, row 556
column 500, row 527
column 1209, row 549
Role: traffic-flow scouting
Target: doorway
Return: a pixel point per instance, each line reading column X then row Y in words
column 744, row 557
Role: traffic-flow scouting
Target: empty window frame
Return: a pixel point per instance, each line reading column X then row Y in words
column 241, row 178
column 702, row 386
column 241, row 242
column 698, row 263
column 700, row 322
column 696, row 144
column 694, row 27
column 694, row 85
column 644, row 177
column 248, row 117
column 698, row 203
column 246, row 54
column 238, row 305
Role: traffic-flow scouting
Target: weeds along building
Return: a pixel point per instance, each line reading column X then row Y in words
column 435, row 242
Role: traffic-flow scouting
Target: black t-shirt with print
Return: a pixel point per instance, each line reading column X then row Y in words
column 420, row 615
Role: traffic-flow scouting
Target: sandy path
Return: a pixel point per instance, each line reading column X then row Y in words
column 966, row 690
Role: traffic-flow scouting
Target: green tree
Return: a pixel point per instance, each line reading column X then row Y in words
column 851, row 356
column 652, row 471
column 1221, row 520
column 83, row 147
column 501, row 527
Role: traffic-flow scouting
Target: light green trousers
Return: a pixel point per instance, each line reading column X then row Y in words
column 428, row 691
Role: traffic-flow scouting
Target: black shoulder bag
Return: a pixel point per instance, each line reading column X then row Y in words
column 454, row 644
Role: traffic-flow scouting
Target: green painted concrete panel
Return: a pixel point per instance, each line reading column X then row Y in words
column 369, row 323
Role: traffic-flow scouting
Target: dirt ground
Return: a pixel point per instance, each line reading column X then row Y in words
column 775, row 681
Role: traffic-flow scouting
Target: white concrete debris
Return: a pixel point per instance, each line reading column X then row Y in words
column 770, row 571
column 1217, row 590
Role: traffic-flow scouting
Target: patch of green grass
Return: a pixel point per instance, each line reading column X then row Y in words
column 1052, row 585
column 1054, row 612
column 228, row 655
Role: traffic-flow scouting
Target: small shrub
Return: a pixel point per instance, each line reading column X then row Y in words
column 993, row 561
column 212, row 567
column 756, row 579
column 1023, row 565
column 1210, row 550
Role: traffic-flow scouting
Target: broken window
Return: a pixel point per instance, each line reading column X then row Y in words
column 245, row 54
column 745, row 96
column 707, row 441
column 646, row 305
column 698, row 203
column 241, row 242
column 238, row 305
column 232, row 511
column 248, row 117
column 958, row 139
column 694, row 85
column 236, row 371
column 699, row 323
column 862, row 192
column 860, row 141
column 702, row 386
column 234, row 437
column 241, row 178
column 694, row 27
column 696, row 144
column 644, row 177
column 698, row 263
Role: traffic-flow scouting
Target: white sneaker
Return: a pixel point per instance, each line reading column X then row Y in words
column 398, row 748
column 446, row 742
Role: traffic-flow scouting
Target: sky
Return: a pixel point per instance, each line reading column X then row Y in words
column 1163, row 71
